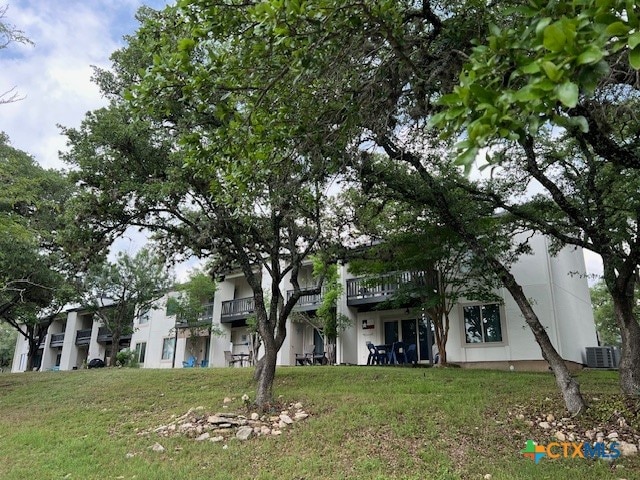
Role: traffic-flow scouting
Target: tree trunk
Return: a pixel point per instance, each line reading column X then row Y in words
column 115, row 344
column 568, row 386
column 629, row 367
column 441, row 202
column 444, row 336
column 265, row 374
column 31, row 355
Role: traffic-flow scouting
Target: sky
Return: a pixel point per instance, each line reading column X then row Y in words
column 54, row 76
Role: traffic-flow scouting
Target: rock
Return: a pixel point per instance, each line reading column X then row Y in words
column 550, row 418
column 219, row 438
column 245, row 398
column 244, row 433
column 528, row 422
column 186, row 426
column 202, row 437
column 560, row 436
column 627, row 449
column 255, row 416
column 282, row 424
column 286, row 418
column 520, row 416
column 612, row 435
column 224, row 447
column 224, row 425
column 226, row 400
column 199, row 407
column 156, row 447
column 300, row 416
column 298, row 406
column 276, row 432
column 487, row 476
column 572, row 437
column 264, row 430
column 544, row 425
column 130, row 455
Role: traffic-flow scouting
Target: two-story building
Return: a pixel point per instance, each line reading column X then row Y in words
column 481, row 334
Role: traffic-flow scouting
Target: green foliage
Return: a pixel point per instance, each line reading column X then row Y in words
column 118, row 292
column 8, row 338
column 32, row 278
column 193, row 301
column 126, row 358
column 604, row 315
column 330, row 322
column 533, row 72
column 194, row 148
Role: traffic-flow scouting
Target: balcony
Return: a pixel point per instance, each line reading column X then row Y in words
column 83, row 337
column 370, row 291
column 205, row 320
column 307, row 301
column 105, row 336
column 57, row 340
column 238, row 309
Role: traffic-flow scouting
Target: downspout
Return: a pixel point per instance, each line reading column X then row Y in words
column 175, row 347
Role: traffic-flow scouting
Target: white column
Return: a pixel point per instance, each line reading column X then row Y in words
column 69, row 350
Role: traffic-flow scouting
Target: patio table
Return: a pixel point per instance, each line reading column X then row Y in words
column 241, row 357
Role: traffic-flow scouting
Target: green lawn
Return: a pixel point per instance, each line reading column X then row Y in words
column 366, row 422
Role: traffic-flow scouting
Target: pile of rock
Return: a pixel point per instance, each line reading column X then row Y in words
column 222, row 426
column 566, row 430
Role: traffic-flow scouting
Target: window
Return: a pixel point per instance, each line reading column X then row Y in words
column 143, row 318
column 482, row 323
column 168, row 344
column 141, row 350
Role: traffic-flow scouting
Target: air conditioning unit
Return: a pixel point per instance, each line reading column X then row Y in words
column 602, row 357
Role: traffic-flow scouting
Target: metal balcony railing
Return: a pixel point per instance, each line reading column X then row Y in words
column 237, row 309
column 57, row 339
column 366, row 290
column 206, row 318
column 83, row 337
column 105, row 335
column 307, row 301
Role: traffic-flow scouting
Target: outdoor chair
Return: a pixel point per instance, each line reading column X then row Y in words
column 397, row 353
column 320, row 358
column 306, row 357
column 375, row 357
column 190, row 363
column 412, row 354
column 228, row 358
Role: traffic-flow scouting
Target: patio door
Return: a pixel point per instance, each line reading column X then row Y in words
column 410, row 331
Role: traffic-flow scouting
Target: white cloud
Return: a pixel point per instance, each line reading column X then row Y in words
column 593, row 263
column 54, row 75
